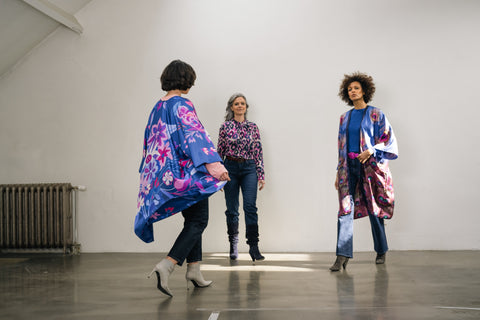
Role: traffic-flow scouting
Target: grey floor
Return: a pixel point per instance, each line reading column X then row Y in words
column 412, row 285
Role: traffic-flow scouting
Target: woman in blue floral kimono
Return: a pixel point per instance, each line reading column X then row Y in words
column 366, row 143
column 180, row 169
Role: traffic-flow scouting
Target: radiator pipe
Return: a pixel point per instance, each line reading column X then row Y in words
column 75, row 191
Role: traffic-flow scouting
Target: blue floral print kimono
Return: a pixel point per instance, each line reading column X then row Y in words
column 173, row 176
column 376, row 134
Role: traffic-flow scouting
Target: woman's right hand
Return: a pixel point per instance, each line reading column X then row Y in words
column 224, row 176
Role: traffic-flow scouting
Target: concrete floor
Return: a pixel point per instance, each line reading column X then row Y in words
column 412, row 285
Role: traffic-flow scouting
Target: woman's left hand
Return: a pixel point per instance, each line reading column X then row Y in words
column 363, row 157
column 261, row 184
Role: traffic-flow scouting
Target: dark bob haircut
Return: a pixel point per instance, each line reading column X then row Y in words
column 178, row 75
column 365, row 81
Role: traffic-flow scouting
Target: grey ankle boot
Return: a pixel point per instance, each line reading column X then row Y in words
column 163, row 270
column 339, row 262
column 193, row 274
column 380, row 259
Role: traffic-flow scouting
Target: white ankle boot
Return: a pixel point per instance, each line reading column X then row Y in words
column 193, row 274
column 163, row 270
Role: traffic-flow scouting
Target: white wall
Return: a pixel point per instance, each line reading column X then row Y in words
column 75, row 109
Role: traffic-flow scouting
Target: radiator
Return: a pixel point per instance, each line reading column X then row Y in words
column 36, row 217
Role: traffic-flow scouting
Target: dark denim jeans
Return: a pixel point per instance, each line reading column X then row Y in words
column 243, row 175
column 189, row 242
column 345, row 222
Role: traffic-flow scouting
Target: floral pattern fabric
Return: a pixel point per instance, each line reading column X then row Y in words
column 376, row 134
column 241, row 140
column 173, row 176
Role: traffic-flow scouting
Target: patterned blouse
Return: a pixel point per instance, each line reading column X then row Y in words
column 241, row 140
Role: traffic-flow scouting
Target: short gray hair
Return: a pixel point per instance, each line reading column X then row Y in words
column 229, row 114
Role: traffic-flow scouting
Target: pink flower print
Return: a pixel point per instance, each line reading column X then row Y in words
column 190, row 118
column 158, row 133
column 149, row 170
column 164, row 152
column 168, row 178
column 144, row 184
column 169, row 209
column 209, row 179
column 181, row 184
column 148, row 159
column 156, row 183
column 183, row 163
column 205, row 150
column 155, row 216
column 374, row 117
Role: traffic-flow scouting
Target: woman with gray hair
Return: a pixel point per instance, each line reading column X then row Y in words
column 240, row 147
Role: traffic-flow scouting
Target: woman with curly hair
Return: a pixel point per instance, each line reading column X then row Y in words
column 180, row 169
column 239, row 144
column 366, row 143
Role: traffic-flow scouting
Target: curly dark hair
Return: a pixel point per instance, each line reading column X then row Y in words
column 178, row 75
column 365, row 81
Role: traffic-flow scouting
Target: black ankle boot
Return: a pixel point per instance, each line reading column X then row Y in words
column 255, row 253
column 252, row 240
column 233, row 247
column 232, row 231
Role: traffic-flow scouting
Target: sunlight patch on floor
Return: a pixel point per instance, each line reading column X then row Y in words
column 268, row 256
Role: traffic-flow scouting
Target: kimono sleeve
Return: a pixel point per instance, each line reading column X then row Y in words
column 194, row 140
column 385, row 142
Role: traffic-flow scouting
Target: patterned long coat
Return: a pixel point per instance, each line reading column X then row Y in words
column 376, row 134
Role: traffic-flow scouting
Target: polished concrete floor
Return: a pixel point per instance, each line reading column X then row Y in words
column 411, row 285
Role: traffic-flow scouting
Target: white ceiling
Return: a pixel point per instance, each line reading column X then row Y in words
column 22, row 27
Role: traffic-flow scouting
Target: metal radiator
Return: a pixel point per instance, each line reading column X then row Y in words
column 37, row 216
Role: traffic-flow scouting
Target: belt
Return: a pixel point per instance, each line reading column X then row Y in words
column 353, row 155
column 235, row 159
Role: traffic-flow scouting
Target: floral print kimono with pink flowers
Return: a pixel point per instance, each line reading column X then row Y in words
column 173, row 176
column 375, row 134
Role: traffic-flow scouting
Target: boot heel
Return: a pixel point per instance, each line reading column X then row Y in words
column 255, row 253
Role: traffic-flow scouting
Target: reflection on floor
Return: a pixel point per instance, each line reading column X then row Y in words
column 411, row 285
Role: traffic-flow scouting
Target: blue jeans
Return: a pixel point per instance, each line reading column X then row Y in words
column 189, row 242
column 345, row 222
column 243, row 175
